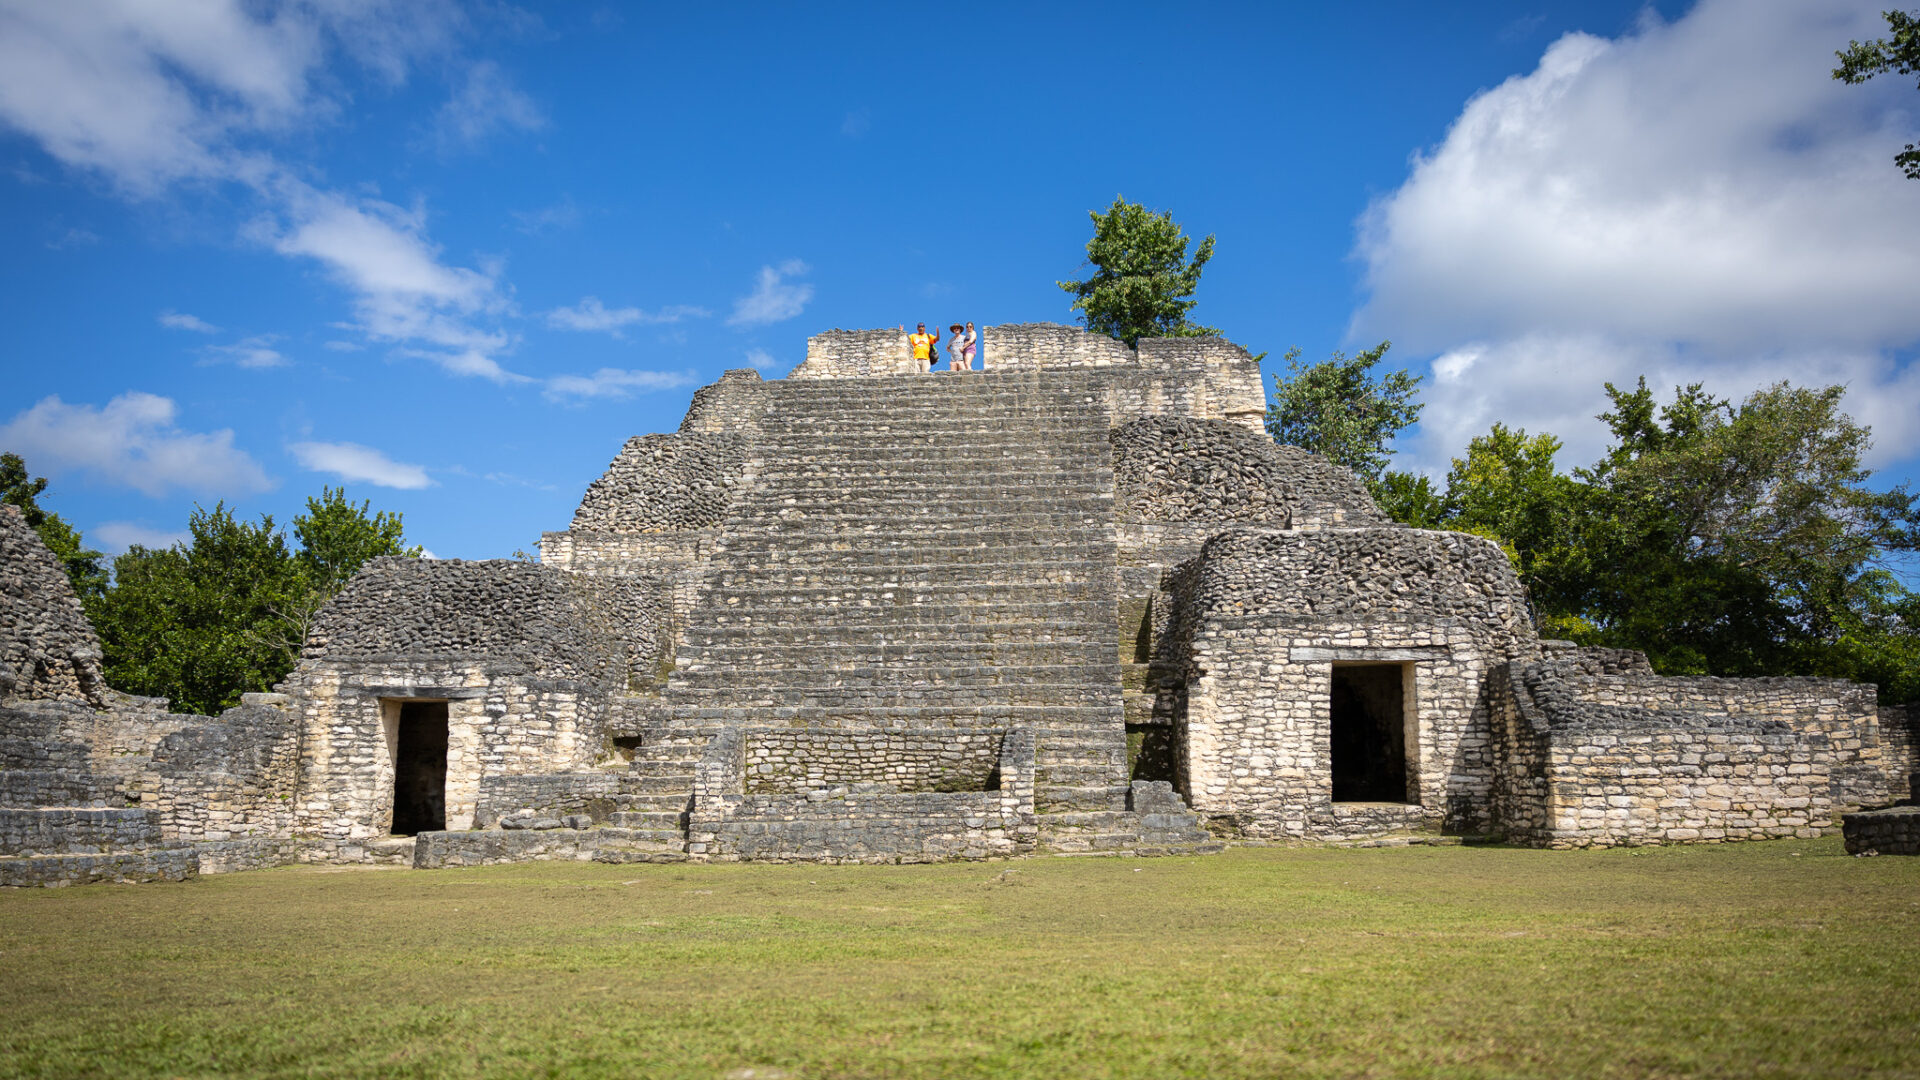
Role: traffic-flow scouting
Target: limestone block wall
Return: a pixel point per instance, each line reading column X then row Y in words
column 732, row 406
column 48, row 649
column 1260, row 619
column 1900, row 748
column 859, row 822
column 788, row 760
column 1603, row 759
column 1043, row 346
column 227, row 778
column 501, row 721
column 551, row 794
column 1232, row 376
column 853, row 354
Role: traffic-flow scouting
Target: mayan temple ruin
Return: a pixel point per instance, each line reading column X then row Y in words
column 1075, row 603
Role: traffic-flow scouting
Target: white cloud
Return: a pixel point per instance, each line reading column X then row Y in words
column 773, row 298
column 351, row 461
column 133, row 441
column 174, row 320
column 485, row 104
column 253, row 352
column 590, row 314
column 1695, row 200
column 115, row 537
column 149, row 95
column 73, row 237
column 856, row 123
column 761, row 360
column 615, row 383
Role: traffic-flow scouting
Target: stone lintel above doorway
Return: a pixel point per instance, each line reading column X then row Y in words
column 1313, row 654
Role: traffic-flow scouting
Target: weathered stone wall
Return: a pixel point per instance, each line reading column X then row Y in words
column 1176, row 468
column 732, row 406
column 853, row 354
column 785, row 761
column 1900, row 748
column 1596, row 759
column 228, row 778
column 1261, row 617
column 1037, row 346
column 501, row 721
column 666, row 483
column 48, row 650
column 1891, row 831
column 594, row 794
column 859, row 822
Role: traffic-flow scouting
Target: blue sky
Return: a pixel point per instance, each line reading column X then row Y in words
column 453, row 255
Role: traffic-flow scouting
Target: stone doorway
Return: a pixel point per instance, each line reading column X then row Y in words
column 420, row 768
column 1369, row 732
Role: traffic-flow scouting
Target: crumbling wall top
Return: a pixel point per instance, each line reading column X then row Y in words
column 48, row 649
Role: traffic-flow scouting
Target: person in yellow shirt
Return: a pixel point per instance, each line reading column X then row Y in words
column 923, row 343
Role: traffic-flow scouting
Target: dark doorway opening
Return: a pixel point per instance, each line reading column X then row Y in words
column 1369, row 733
column 420, row 768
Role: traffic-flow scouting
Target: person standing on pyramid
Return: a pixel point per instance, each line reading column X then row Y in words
column 922, row 343
column 960, row 347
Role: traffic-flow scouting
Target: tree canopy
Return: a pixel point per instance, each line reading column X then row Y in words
column 1897, row 54
column 226, row 613
column 1142, row 278
column 1720, row 539
column 1340, row 409
column 84, row 567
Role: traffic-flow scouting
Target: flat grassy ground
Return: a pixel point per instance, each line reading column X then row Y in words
column 1749, row 960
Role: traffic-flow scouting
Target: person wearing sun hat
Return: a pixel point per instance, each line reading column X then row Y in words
column 960, row 347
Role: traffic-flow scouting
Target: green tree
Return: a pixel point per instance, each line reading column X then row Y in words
column 1341, row 410
column 227, row 612
column 1898, row 54
column 1142, row 278
column 84, row 567
column 1743, row 540
column 189, row 622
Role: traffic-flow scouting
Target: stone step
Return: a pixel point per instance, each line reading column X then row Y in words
column 677, row 785
column 649, row 766
column 750, row 539
column 886, row 634
column 1064, row 613
column 967, row 588
column 1053, row 798
column 840, row 656
column 1037, row 718
column 957, row 550
column 649, row 820
column 865, row 696
column 1015, row 518
column 905, row 677
column 1103, row 775
column 664, row 802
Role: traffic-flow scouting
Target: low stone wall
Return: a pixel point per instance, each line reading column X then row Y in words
column 61, row 831
column 123, row 868
column 549, row 794
column 786, row 761
column 1599, row 760
column 855, row 825
column 1041, row 346
column 1893, row 831
column 858, row 823
column 227, row 778
column 853, row 354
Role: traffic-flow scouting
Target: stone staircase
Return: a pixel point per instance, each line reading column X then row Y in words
column 923, row 553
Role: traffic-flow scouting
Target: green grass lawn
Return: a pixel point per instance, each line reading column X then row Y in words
column 1748, row 960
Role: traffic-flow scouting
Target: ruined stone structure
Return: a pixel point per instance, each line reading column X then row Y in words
column 1077, row 602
